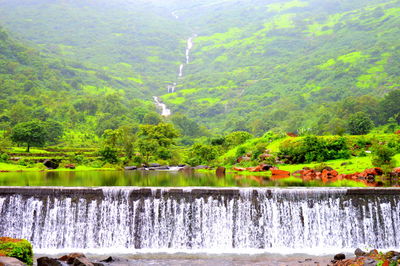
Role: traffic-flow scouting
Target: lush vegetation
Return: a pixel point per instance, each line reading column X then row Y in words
column 328, row 73
column 17, row 248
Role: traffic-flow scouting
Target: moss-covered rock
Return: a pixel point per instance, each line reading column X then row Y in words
column 17, row 248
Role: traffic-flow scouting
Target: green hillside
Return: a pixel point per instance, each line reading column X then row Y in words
column 132, row 41
column 287, row 65
column 286, row 62
column 81, row 101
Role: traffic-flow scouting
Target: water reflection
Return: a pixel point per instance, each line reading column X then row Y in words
column 148, row 179
column 122, row 178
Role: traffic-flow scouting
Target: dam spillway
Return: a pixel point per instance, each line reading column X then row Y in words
column 135, row 218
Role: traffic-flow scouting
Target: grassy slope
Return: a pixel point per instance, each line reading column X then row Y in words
column 311, row 51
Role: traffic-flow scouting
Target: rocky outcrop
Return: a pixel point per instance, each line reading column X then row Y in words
column 79, row 259
column 51, row 163
column 371, row 258
column 46, row 261
column 9, row 261
column 330, row 175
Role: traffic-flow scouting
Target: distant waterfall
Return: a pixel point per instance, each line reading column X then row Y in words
column 218, row 219
column 164, row 110
column 171, row 87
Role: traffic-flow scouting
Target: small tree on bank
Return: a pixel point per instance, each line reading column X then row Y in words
column 32, row 133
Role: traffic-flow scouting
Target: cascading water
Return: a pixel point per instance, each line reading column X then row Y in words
column 171, row 88
column 196, row 219
column 164, row 110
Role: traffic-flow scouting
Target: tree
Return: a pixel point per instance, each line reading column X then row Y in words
column 237, row 138
column 32, row 133
column 154, row 139
column 163, row 133
column 201, row 154
column 147, row 148
column 383, row 157
column 54, row 130
column 390, row 106
column 359, row 123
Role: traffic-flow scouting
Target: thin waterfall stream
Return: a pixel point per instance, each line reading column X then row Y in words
column 171, row 88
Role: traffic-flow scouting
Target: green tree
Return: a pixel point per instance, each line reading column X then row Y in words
column 156, row 140
column 163, row 133
column 201, row 154
column 237, row 138
column 147, row 148
column 109, row 155
column 32, row 133
column 359, row 123
column 383, row 157
column 152, row 118
column 390, row 106
column 54, row 130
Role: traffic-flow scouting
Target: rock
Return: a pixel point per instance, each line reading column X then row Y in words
column 115, row 259
column 51, row 164
column 373, row 252
column 220, row 172
column 339, row 256
column 343, row 164
column 130, row 168
column 46, row 261
column 201, row 167
column 359, row 253
column 158, row 168
column 329, row 175
column 70, row 166
column 265, row 155
column 291, row 134
column 82, row 261
column 243, row 159
column 280, row 172
column 9, row 261
column 186, row 169
column 154, row 165
column 71, row 257
column 371, row 262
column 265, row 167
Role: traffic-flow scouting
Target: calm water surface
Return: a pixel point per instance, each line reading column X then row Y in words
column 129, row 178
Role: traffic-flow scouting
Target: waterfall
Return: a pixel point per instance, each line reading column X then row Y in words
column 195, row 219
column 188, row 48
column 180, row 71
column 164, row 110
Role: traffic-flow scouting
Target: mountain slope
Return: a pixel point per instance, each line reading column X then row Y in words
column 82, row 100
column 256, row 65
column 132, row 41
column 277, row 59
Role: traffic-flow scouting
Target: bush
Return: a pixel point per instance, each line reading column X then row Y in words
column 17, row 248
column 201, row 154
column 383, row 156
column 4, row 157
column 312, row 148
column 109, row 155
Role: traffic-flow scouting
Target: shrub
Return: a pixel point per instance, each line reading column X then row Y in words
column 313, row 148
column 383, row 156
column 201, row 154
column 17, row 248
column 4, row 157
column 109, row 155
